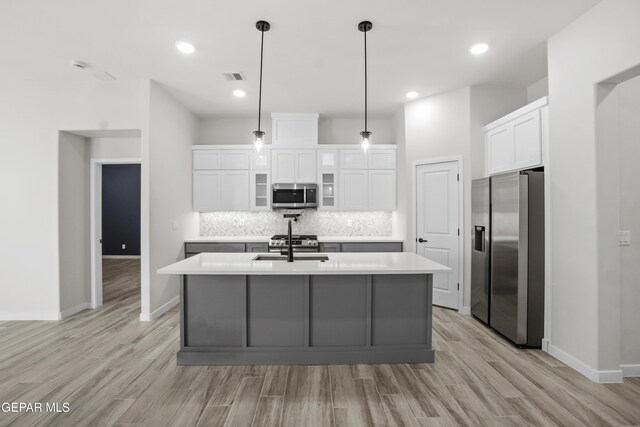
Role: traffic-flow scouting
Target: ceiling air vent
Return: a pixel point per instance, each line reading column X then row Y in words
column 232, row 77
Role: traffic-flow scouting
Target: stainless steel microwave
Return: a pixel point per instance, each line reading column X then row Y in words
column 289, row 196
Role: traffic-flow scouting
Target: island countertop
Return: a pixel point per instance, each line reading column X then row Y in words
column 338, row 263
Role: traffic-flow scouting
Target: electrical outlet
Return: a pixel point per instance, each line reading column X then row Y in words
column 624, row 238
column 124, row 246
column 349, row 223
column 174, row 226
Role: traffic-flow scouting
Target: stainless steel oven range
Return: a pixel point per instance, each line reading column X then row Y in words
column 300, row 243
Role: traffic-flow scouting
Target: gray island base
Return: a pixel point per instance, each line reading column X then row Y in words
column 339, row 312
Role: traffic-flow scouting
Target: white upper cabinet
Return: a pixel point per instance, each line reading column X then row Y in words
column 206, row 159
column 382, row 159
column 282, row 166
column 382, row 190
column 293, row 166
column 353, row 159
column 305, row 166
column 354, row 190
column 230, row 178
column 211, row 159
column 223, row 190
column 261, row 160
column 294, row 130
column 234, row 190
column 206, row 191
column 500, row 148
column 527, row 137
column 260, row 186
column 327, row 159
column 515, row 141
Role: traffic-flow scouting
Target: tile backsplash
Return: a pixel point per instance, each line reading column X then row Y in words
column 310, row 222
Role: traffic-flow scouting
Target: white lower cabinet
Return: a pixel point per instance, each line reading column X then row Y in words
column 223, row 190
column 382, row 190
column 354, row 190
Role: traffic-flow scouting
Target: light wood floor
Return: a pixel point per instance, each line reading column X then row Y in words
column 115, row 370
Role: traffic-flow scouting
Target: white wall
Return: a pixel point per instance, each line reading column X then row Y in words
column 115, row 148
column 346, row 130
column 628, row 113
column 446, row 125
column 231, row 130
column 489, row 103
column 399, row 217
column 435, row 127
column 172, row 132
column 331, row 130
column 538, row 89
column 74, row 222
column 584, row 239
column 32, row 115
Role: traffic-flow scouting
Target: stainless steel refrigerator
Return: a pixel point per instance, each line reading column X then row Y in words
column 507, row 262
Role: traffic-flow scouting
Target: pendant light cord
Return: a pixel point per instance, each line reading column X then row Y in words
column 260, row 92
column 365, row 81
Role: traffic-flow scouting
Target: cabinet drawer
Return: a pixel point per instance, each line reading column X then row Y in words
column 258, row 247
column 372, row 247
column 196, row 248
column 329, row 247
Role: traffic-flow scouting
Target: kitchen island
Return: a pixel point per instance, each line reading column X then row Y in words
column 349, row 308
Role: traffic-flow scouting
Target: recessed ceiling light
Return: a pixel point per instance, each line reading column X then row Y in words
column 479, row 49
column 239, row 93
column 185, row 47
column 412, row 94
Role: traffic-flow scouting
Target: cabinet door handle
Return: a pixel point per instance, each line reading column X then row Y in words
column 421, row 240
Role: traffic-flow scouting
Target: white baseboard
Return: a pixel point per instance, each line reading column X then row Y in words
column 8, row 317
column 74, row 310
column 630, row 370
column 594, row 375
column 545, row 345
column 155, row 314
column 465, row 310
column 120, row 256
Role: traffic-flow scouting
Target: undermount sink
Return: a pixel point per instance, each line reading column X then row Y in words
column 321, row 258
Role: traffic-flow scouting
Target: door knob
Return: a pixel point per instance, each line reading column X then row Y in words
column 421, row 240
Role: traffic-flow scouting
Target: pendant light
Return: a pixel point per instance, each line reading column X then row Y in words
column 365, row 26
column 262, row 26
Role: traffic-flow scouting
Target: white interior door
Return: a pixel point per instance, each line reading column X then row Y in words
column 437, row 227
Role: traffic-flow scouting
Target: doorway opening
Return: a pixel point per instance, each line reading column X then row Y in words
column 437, row 225
column 120, row 231
column 82, row 156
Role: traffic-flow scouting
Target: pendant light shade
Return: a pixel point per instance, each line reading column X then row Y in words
column 258, row 143
column 365, row 27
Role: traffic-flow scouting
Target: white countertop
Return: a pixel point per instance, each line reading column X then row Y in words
column 338, row 263
column 321, row 239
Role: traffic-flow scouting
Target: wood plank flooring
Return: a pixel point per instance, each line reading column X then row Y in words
column 115, row 370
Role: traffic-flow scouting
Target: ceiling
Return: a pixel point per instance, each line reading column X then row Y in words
column 313, row 53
